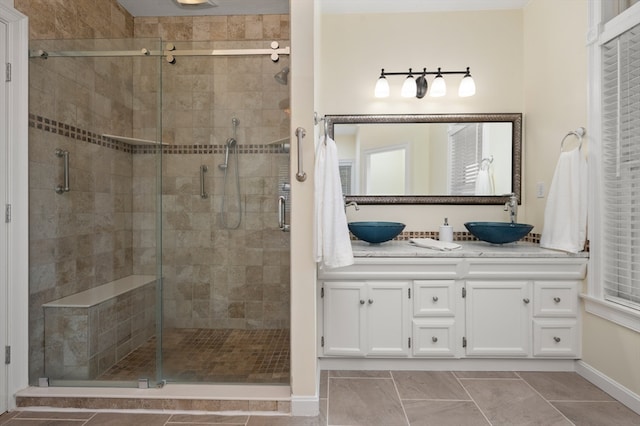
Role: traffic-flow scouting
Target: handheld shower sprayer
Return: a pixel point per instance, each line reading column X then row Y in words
column 231, row 142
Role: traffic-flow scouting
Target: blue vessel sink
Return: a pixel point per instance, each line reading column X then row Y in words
column 375, row 232
column 498, row 232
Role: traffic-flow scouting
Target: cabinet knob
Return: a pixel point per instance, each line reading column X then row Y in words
column 435, row 298
column 434, row 339
column 557, row 339
column 361, row 302
column 525, row 300
column 556, row 299
column 370, row 301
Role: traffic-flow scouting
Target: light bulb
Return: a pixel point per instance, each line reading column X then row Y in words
column 467, row 86
column 409, row 87
column 438, row 87
column 382, row 88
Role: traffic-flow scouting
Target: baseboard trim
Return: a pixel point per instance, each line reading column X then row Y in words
column 308, row 406
column 618, row 391
column 465, row 364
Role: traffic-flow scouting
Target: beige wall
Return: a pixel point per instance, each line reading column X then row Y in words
column 555, row 103
column 532, row 61
column 355, row 48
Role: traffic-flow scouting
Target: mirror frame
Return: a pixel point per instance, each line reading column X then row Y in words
column 516, row 154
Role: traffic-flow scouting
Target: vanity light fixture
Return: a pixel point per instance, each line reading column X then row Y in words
column 418, row 87
column 382, row 86
column 467, row 86
column 409, row 87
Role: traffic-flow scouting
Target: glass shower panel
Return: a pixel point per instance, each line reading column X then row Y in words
column 225, row 261
column 94, row 123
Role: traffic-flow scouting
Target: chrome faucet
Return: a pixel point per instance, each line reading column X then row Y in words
column 351, row 203
column 512, row 207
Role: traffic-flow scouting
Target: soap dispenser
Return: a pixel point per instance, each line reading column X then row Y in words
column 446, row 232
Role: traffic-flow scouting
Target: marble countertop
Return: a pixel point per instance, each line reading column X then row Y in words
column 468, row 249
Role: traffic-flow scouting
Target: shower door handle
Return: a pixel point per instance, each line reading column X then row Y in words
column 282, row 202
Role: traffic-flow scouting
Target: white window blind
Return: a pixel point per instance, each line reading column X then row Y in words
column 621, row 168
column 465, row 148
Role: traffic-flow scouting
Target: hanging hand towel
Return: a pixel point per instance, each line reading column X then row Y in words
column 332, row 243
column 484, row 182
column 565, row 216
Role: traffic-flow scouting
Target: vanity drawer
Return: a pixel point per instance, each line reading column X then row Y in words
column 433, row 298
column 556, row 338
column 555, row 299
column 435, row 338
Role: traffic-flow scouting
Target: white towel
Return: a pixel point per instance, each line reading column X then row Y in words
column 565, row 215
column 332, row 243
column 484, row 183
column 434, row 244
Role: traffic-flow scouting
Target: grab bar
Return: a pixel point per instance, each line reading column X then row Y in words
column 203, row 193
column 301, row 176
column 60, row 189
column 281, row 214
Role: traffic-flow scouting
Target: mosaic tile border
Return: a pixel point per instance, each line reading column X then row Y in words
column 457, row 236
column 83, row 135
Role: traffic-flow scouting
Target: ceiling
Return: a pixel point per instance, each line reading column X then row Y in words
column 270, row 7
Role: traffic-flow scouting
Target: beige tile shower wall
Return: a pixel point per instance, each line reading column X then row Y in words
column 201, row 95
column 82, row 238
column 76, row 19
column 216, row 277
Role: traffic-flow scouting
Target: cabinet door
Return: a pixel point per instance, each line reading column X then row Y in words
column 498, row 318
column 344, row 318
column 388, row 319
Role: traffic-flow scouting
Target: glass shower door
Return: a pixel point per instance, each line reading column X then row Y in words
column 93, row 159
column 226, row 262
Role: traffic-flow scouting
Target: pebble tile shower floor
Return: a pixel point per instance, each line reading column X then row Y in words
column 210, row 355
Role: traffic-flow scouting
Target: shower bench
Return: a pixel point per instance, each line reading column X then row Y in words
column 88, row 332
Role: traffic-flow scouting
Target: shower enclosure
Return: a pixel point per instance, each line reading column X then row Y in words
column 160, row 259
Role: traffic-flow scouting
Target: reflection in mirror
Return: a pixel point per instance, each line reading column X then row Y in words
column 428, row 159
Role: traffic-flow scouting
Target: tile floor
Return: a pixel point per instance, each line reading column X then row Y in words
column 212, row 356
column 416, row 398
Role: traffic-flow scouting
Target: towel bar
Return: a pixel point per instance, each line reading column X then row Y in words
column 579, row 133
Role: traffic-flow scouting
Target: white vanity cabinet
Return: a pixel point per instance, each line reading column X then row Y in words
column 366, row 318
column 452, row 307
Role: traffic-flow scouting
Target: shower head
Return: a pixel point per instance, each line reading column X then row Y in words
column 282, row 76
column 231, row 142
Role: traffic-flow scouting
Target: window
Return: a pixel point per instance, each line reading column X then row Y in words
column 614, row 116
column 621, row 168
column 465, row 148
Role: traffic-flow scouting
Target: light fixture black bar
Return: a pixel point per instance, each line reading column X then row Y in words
column 424, row 72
